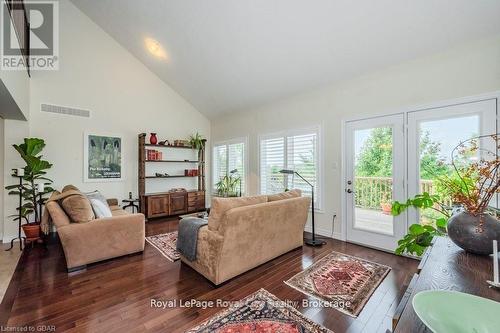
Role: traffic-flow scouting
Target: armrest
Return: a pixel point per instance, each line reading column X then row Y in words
column 101, row 239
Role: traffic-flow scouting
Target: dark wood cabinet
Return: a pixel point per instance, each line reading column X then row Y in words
column 173, row 203
column 158, row 205
column 195, row 201
column 178, row 203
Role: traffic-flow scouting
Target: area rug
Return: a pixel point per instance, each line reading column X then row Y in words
column 166, row 244
column 341, row 281
column 259, row 312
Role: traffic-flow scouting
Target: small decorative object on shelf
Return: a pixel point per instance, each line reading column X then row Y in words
column 174, row 190
column 164, row 143
column 154, row 155
column 191, row 172
column 153, row 139
column 496, row 275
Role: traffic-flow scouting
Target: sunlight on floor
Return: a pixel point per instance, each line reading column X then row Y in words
column 8, row 262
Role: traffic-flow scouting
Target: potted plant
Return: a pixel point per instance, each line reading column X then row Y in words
column 471, row 223
column 34, row 173
column 227, row 186
column 197, row 141
column 386, row 204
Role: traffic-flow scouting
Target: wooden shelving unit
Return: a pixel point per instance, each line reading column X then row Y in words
column 165, row 203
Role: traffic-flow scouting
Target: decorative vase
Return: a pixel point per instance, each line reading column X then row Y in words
column 153, row 139
column 474, row 234
column 31, row 230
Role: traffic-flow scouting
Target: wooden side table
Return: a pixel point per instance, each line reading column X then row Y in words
column 133, row 203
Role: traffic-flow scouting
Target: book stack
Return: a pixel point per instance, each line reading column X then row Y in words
column 153, row 155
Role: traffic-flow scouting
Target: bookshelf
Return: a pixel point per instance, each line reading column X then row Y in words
column 162, row 170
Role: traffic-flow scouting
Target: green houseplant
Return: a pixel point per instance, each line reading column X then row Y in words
column 35, row 172
column 471, row 185
column 227, row 186
column 197, row 141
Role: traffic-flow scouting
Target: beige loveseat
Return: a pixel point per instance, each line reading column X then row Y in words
column 243, row 233
column 98, row 239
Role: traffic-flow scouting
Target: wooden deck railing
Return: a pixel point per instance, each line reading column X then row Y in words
column 371, row 192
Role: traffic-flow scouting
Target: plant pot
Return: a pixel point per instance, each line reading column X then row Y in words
column 386, row 208
column 31, row 230
column 464, row 230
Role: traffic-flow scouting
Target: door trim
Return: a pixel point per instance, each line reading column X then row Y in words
column 405, row 111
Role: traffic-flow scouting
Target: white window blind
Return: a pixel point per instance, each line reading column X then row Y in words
column 294, row 151
column 272, row 160
column 228, row 157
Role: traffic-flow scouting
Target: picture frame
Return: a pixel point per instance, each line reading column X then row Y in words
column 102, row 157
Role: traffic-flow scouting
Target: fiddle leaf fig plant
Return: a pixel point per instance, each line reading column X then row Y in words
column 35, row 172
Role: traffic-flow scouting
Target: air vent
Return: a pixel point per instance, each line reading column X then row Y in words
column 65, row 110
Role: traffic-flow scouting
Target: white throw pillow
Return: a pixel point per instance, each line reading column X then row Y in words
column 100, row 209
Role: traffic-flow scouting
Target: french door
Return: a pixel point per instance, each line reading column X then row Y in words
column 375, row 173
column 394, row 157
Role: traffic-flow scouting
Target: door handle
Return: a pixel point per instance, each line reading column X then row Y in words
column 349, row 190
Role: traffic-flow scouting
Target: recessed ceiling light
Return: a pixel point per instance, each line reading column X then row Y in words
column 155, row 48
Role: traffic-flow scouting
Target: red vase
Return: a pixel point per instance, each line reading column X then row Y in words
column 153, row 139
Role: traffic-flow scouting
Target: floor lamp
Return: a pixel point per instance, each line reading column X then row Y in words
column 309, row 241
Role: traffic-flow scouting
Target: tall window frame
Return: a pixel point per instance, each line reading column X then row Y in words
column 284, row 138
column 218, row 171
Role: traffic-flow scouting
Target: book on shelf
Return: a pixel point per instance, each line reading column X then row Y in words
column 153, row 155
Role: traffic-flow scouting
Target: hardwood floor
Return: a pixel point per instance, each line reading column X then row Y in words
column 115, row 296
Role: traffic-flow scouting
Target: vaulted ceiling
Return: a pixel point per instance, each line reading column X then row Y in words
column 230, row 55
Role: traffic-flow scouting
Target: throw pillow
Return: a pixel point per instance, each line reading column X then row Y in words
column 78, row 207
column 99, row 204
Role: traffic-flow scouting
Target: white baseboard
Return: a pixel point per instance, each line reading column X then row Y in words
column 324, row 232
column 7, row 239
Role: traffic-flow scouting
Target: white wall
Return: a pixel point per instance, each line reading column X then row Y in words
column 17, row 83
column 124, row 97
column 463, row 71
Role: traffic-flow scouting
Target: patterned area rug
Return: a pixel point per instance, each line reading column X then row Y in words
column 341, row 281
column 166, row 244
column 259, row 312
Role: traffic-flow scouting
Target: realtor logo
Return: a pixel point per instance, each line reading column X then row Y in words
column 29, row 35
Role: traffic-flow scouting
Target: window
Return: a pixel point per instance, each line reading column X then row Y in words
column 298, row 151
column 229, row 156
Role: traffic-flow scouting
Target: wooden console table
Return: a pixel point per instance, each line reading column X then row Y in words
column 445, row 267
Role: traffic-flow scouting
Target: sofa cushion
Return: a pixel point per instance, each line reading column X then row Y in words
column 119, row 212
column 57, row 214
column 78, row 207
column 99, row 204
column 285, row 195
column 221, row 205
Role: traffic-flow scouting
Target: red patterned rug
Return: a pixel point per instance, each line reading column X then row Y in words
column 341, row 281
column 166, row 244
column 261, row 312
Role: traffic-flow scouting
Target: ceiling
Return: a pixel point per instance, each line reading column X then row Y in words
column 231, row 55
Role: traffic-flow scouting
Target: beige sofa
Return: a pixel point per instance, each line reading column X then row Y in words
column 98, row 239
column 243, row 233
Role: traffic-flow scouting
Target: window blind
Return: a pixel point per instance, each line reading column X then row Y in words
column 298, row 152
column 226, row 158
column 272, row 160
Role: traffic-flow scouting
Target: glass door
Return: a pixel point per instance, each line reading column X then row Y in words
column 432, row 135
column 375, row 165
